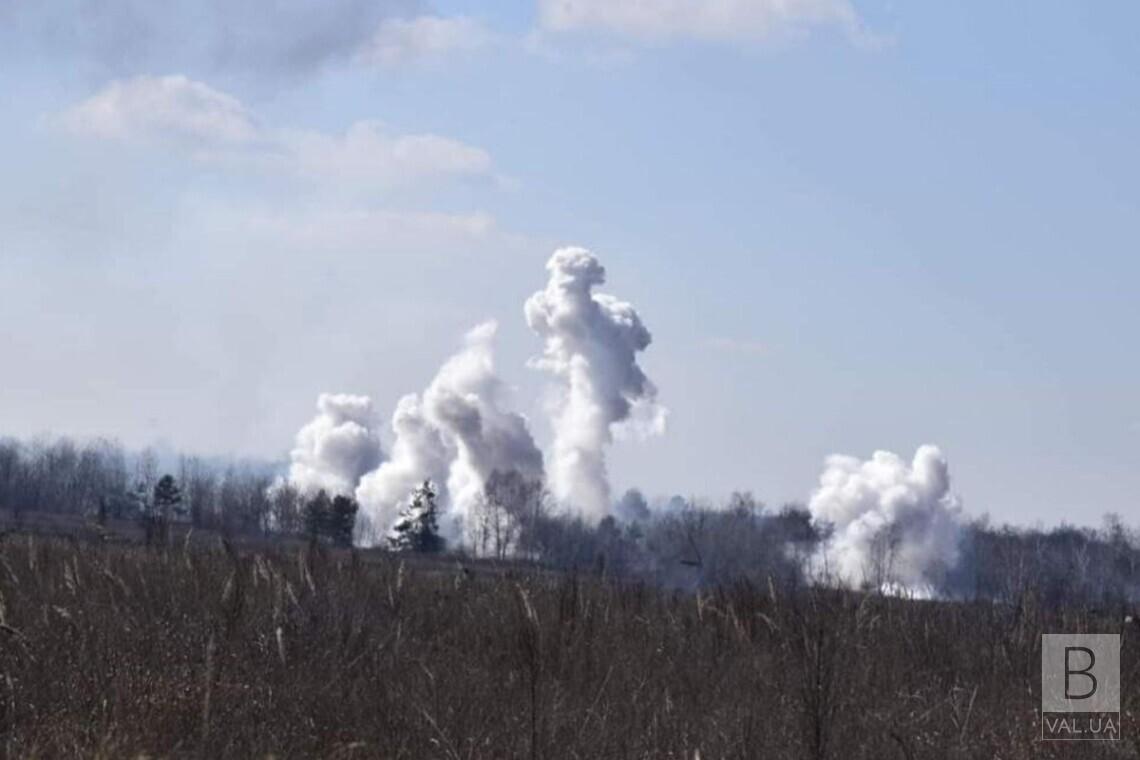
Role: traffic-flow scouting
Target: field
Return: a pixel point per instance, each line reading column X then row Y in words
column 212, row 650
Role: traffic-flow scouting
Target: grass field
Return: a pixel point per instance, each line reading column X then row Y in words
column 114, row 650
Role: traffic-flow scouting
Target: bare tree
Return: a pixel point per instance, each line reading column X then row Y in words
column 507, row 514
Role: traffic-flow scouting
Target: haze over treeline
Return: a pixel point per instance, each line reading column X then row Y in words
column 678, row 542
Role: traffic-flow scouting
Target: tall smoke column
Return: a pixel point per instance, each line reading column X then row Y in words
column 896, row 524
column 591, row 344
column 337, row 447
column 456, row 434
column 466, row 401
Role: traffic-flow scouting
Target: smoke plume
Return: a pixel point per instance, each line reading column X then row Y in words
column 896, row 525
column 456, row 433
column 591, row 346
column 337, row 447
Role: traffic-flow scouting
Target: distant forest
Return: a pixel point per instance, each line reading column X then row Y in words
column 685, row 543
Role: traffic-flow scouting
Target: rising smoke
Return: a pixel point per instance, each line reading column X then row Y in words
column 455, row 434
column 337, row 447
column 890, row 524
column 419, row 453
column 591, row 346
column 896, row 526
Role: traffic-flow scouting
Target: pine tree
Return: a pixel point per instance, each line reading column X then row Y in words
column 155, row 507
column 417, row 527
column 341, row 520
column 167, row 497
column 317, row 512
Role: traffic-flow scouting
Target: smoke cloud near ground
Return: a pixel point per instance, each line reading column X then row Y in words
column 467, row 401
column 896, row 525
column 888, row 523
column 456, row 433
column 591, row 346
column 419, row 453
column 337, row 447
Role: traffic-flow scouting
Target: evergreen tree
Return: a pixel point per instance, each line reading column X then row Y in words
column 155, row 507
column 317, row 512
column 341, row 520
column 167, row 498
column 417, row 527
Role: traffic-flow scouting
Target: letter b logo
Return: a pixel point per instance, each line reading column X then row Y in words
column 1086, row 672
column 1080, row 672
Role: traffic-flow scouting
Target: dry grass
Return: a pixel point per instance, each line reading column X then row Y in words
column 121, row 651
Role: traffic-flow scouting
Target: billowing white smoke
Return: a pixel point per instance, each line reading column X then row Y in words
column 337, row 447
column 465, row 400
column 896, row 525
column 419, row 453
column 455, row 434
column 591, row 345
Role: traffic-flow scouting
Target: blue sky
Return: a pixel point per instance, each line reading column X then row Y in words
column 849, row 226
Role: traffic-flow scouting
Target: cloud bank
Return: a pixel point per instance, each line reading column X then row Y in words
column 209, row 125
column 401, row 41
column 291, row 38
column 722, row 20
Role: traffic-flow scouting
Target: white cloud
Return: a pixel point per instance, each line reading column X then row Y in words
column 279, row 40
column 213, row 126
column 368, row 151
column 171, row 108
column 400, row 41
column 711, row 20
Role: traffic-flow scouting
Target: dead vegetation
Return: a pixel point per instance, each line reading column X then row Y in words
column 112, row 650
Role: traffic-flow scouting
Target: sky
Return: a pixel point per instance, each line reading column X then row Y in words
column 849, row 226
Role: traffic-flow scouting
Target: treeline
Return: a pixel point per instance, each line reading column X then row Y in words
column 1064, row 565
column 682, row 543
column 102, row 481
